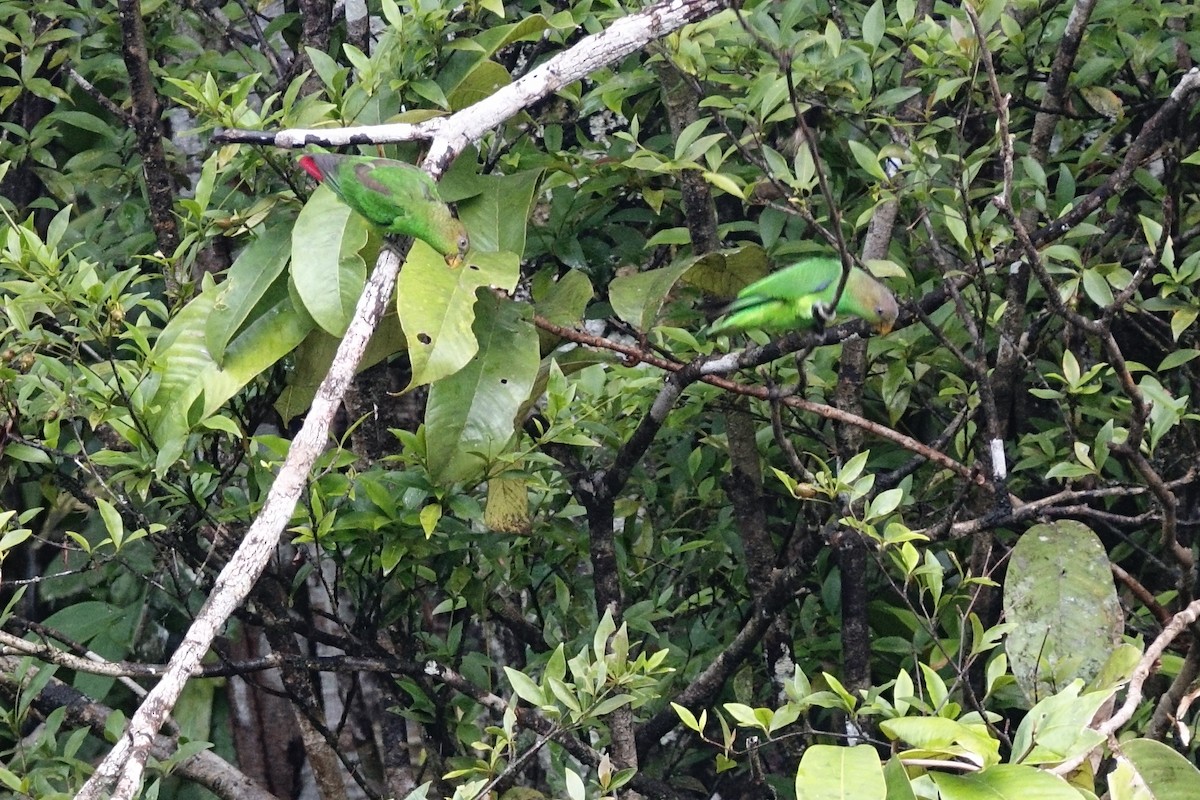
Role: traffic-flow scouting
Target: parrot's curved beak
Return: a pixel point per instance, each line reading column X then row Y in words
column 454, row 261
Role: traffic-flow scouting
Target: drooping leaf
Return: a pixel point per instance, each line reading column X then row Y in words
column 190, row 378
column 724, row 273
column 328, row 270
column 247, row 284
column 470, row 414
column 436, row 307
column 507, row 509
column 315, row 354
column 638, row 298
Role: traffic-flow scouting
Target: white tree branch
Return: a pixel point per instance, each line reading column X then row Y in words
column 450, row 135
column 125, row 763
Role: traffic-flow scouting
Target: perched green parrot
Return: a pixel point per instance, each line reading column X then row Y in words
column 396, row 196
column 801, row 296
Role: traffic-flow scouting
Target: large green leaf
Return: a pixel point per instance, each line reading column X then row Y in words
column 562, row 302
column 480, row 83
column 638, row 298
column 724, row 273
column 464, row 64
column 469, row 416
column 496, row 215
column 1005, row 782
column 247, row 284
column 328, row 270
column 1150, row 770
column 436, row 307
column 192, row 385
column 827, row 772
column 1059, row 594
column 1056, row 729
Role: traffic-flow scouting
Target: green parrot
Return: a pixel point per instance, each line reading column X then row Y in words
column 396, row 196
column 801, row 296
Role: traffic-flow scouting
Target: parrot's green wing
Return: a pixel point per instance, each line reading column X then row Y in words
column 793, row 298
column 397, row 197
column 801, row 296
column 390, row 191
column 812, row 276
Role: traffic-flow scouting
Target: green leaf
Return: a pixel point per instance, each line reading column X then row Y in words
column 689, row 135
column 638, row 298
column 470, row 414
column 328, row 271
column 497, row 210
column 1056, row 728
column 724, row 273
column 480, row 83
column 1097, row 288
column 1004, row 781
column 1157, row 769
column 436, row 307
column 827, row 772
column 249, row 282
column 945, row 738
column 430, row 515
column 23, row 452
column 868, row 159
column 898, row 785
column 1181, row 320
column 687, row 717
column 113, row 523
column 562, row 302
column 525, row 688
column 873, row 24
column 611, row 704
column 1177, row 358
column 885, row 503
column 1061, row 599
column 191, row 377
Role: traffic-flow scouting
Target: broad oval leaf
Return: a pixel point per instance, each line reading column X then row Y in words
column 328, row 272
column 827, row 772
column 1060, row 596
column 1156, row 767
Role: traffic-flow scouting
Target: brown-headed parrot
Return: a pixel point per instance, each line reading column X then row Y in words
column 396, row 196
column 801, row 296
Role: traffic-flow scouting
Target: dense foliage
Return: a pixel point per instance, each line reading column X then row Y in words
column 563, row 543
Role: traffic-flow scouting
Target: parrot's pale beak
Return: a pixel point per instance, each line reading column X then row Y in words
column 454, row 261
column 885, row 327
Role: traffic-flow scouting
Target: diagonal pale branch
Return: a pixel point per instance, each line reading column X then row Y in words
column 450, row 135
column 125, row 763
